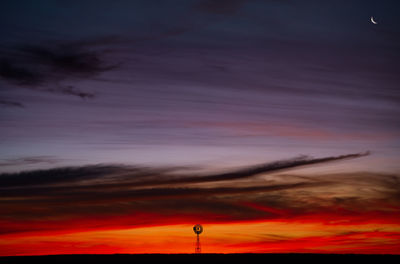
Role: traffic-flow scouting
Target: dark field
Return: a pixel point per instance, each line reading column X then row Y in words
column 201, row 258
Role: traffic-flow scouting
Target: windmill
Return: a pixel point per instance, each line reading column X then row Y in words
column 198, row 229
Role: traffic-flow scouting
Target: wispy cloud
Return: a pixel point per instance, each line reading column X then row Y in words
column 17, row 74
column 7, row 103
column 27, row 160
column 114, row 191
column 42, row 67
column 141, row 177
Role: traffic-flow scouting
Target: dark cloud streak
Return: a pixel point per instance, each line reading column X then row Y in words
column 43, row 67
column 7, row 103
column 19, row 75
column 118, row 190
column 28, row 160
column 259, row 169
column 136, row 175
column 67, row 58
column 54, row 176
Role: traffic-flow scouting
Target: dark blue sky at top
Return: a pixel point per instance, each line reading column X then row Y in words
column 187, row 82
column 204, row 21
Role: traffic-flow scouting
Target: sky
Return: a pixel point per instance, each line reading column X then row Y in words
column 274, row 124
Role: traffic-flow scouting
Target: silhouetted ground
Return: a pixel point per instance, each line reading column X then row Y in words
column 202, row 258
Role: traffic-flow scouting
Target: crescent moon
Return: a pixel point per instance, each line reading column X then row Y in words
column 373, row 21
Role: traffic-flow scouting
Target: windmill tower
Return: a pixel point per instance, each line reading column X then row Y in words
column 198, row 229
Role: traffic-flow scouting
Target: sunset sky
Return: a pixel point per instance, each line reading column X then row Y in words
column 273, row 123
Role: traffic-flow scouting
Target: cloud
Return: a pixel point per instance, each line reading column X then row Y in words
column 249, row 172
column 54, row 176
column 70, row 90
column 106, row 196
column 142, row 177
column 256, row 170
column 67, row 59
column 27, row 160
column 8, row 103
column 19, row 75
column 43, row 67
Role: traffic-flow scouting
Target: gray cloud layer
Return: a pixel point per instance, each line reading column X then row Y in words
column 117, row 190
column 144, row 176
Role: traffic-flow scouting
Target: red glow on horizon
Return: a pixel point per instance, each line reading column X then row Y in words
column 318, row 233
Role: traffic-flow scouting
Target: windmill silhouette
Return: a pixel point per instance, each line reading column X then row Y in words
column 198, row 229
